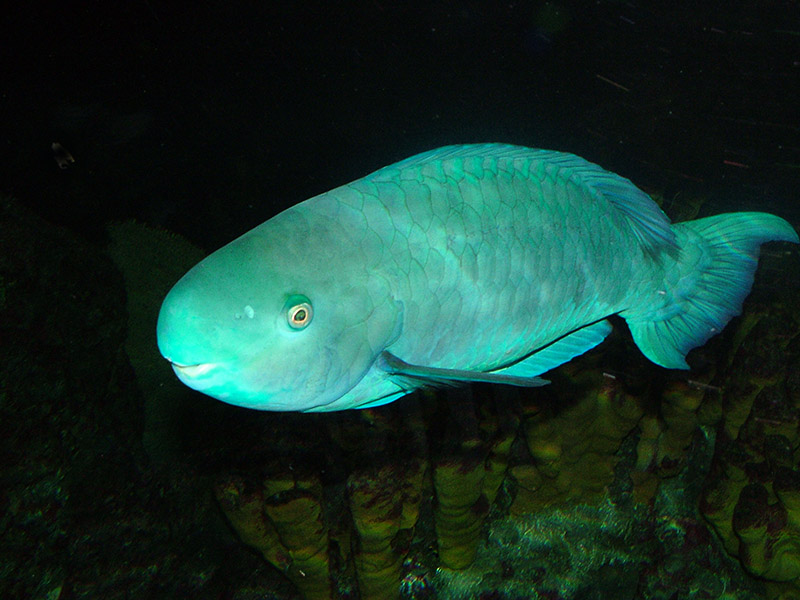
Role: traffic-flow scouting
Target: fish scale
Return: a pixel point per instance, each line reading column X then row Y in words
column 500, row 211
column 481, row 262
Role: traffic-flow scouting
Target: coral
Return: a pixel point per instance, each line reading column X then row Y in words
column 286, row 527
column 665, row 437
column 751, row 495
column 769, row 547
column 467, row 473
column 245, row 513
column 725, row 482
column 295, row 520
column 678, row 407
column 500, row 428
column 618, row 549
column 376, row 503
column 574, row 447
column 645, row 477
column 297, row 517
column 384, row 498
column 460, row 505
column 787, row 488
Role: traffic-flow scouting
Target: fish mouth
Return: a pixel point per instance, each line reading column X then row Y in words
column 192, row 371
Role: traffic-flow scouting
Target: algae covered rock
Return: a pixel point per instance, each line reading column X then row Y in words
column 84, row 516
column 750, row 494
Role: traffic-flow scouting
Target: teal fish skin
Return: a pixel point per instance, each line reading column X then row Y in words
column 481, row 262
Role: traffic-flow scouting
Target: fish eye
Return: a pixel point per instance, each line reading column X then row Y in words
column 299, row 312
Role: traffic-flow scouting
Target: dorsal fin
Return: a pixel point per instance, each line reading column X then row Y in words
column 647, row 221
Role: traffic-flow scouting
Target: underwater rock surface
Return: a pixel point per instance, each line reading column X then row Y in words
column 751, row 494
column 85, row 514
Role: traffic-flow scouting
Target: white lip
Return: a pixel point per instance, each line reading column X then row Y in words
column 193, row 371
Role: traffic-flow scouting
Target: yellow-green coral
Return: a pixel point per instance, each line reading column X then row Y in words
column 297, row 517
column 458, row 515
column 467, row 475
column 574, row 448
column 286, row 527
column 245, row 512
column 770, row 547
column 752, row 498
column 376, row 503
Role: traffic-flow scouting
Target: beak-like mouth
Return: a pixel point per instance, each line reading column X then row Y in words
column 192, row 371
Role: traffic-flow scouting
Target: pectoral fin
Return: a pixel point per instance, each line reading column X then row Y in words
column 436, row 376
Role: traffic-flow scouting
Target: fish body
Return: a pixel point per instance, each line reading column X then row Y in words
column 483, row 262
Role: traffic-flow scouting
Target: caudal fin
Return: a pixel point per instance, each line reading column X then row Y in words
column 719, row 256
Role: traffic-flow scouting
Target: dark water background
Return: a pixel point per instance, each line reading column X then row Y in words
column 209, row 118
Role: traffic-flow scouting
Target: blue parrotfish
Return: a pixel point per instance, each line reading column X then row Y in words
column 485, row 262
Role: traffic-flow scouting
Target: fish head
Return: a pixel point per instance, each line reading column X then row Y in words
column 267, row 323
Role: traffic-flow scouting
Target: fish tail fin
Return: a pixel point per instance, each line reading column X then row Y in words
column 707, row 285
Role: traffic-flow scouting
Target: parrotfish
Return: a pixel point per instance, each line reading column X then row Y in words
column 485, row 262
